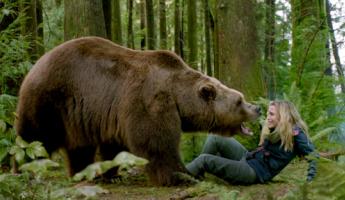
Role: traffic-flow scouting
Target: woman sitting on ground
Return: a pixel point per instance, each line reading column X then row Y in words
column 284, row 136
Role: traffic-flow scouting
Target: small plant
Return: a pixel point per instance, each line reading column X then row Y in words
column 23, row 151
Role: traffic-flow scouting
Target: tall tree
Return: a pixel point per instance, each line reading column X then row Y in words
column 83, row 18
column 162, row 25
column 116, row 22
column 130, row 36
column 310, row 56
column 178, row 37
column 269, row 51
column 237, row 44
column 207, row 28
column 142, row 24
column 150, row 22
column 192, row 34
column 106, row 4
column 338, row 65
column 31, row 27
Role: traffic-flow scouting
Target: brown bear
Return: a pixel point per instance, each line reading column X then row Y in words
column 90, row 93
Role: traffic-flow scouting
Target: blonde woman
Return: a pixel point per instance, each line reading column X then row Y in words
column 284, row 136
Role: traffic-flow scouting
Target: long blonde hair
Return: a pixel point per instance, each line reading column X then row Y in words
column 288, row 118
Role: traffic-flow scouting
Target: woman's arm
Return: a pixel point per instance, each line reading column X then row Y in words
column 304, row 147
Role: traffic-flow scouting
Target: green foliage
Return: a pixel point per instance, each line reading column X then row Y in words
column 53, row 22
column 191, row 145
column 7, row 133
column 23, row 151
column 14, row 54
column 81, row 192
column 123, row 160
column 41, row 166
column 328, row 184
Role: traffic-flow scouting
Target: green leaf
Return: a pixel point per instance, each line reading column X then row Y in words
column 21, row 143
column 128, row 159
column 323, row 133
column 3, row 153
column 123, row 159
column 39, row 166
column 2, row 126
column 19, row 156
column 38, row 149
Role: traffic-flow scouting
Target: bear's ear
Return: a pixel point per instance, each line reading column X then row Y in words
column 207, row 92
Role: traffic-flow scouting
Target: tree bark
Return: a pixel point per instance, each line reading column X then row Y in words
column 83, row 18
column 192, row 34
column 150, row 22
column 116, row 22
column 33, row 11
column 130, row 36
column 178, row 39
column 106, row 4
column 269, row 50
column 338, row 65
column 207, row 29
column 237, row 43
column 162, row 25
column 142, row 24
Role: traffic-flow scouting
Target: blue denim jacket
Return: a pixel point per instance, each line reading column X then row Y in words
column 270, row 159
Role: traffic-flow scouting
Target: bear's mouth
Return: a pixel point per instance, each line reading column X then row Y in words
column 245, row 130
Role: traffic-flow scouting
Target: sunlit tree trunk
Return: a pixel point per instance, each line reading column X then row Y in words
column 238, row 54
column 83, row 18
column 116, row 22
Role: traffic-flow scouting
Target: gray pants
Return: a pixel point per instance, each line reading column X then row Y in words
column 225, row 158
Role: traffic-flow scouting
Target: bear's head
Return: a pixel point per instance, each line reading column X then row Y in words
column 205, row 104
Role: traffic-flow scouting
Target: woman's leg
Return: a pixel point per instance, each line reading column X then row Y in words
column 226, row 147
column 233, row 171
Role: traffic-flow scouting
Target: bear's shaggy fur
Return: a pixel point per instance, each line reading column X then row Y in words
column 90, row 93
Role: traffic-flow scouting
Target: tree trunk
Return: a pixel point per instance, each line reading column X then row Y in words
column 116, row 22
column 83, row 18
column 192, row 34
column 207, row 29
column 33, row 11
column 106, row 4
column 162, row 25
column 150, row 22
column 130, row 36
column 178, row 39
column 269, row 58
column 338, row 65
column 310, row 57
column 238, row 54
column 142, row 24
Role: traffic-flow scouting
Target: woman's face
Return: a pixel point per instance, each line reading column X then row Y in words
column 272, row 117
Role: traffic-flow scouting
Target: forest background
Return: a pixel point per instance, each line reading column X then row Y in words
column 268, row 49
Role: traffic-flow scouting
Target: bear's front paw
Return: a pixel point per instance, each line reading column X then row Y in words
column 180, row 178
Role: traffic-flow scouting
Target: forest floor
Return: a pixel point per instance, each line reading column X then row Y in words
column 134, row 185
column 137, row 187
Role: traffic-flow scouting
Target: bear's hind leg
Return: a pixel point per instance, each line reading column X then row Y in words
column 79, row 158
